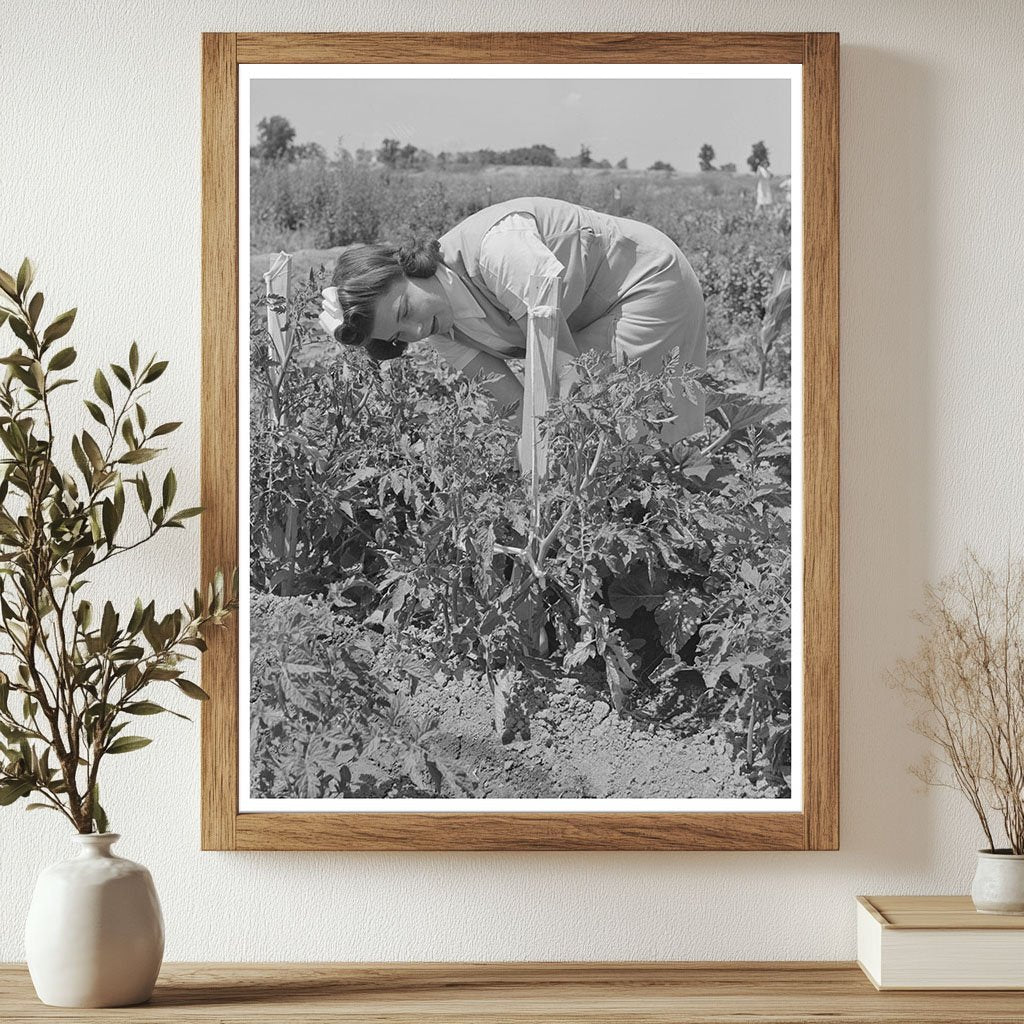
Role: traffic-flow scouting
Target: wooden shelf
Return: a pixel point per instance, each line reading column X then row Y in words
column 637, row 993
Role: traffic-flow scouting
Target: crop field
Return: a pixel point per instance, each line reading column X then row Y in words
column 402, row 643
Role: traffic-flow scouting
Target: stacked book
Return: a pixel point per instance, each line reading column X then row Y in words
column 908, row 942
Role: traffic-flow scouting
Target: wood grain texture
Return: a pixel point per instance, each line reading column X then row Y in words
column 219, row 430
column 482, row 831
column 818, row 826
column 612, row 993
column 521, row 48
column 936, row 912
column 821, row 440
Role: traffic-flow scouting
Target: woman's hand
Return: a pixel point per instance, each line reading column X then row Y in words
column 505, row 389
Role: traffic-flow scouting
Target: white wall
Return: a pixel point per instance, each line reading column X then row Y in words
column 100, row 183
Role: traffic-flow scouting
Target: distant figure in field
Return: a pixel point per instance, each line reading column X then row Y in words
column 764, row 187
column 626, row 289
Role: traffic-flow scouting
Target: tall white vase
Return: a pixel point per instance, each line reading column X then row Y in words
column 95, row 933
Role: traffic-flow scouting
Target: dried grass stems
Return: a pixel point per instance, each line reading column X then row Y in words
column 968, row 678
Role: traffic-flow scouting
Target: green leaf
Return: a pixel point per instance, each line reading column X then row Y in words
column 168, row 673
column 34, row 308
column 121, row 374
column 143, row 707
column 138, row 455
column 151, row 631
column 10, row 442
column 92, row 449
column 137, row 617
column 126, row 744
column 12, row 733
column 133, row 358
column 95, row 412
column 84, row 614
column 108, row 627
column 99, row 816
column 191, row 690
column 109, row 521
column 119, row 499
column 147, row 707
column 63, row 359
column 26, row 274
column 8, row 285
column 42, row 807
column 14, row 790
column 165, row 428
column 99, row 383
column 154, row 371
column 95, row 529
column 80, row 459
column 20, row 328
column 145, row 498
column 128, row 433
column 185, row 513
column 170, row 488
column 60, row 326
column 130, row 653
column 70, row 485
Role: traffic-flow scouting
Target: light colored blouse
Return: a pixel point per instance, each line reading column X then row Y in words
column 512, row 250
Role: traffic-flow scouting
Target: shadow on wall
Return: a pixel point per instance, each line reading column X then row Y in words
column 887, row 301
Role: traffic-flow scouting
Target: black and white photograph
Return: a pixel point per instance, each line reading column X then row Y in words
column 520, row 475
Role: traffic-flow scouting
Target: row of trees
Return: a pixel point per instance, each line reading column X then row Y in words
column 393, row 154
column 276, row 142
column 758, row 158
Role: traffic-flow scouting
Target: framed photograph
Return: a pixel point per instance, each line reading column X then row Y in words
column 520, row 420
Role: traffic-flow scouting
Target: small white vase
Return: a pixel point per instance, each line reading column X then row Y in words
column 95, row 933
column 999, row 882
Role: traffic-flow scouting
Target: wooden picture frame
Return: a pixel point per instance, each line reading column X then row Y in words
column 816, row 826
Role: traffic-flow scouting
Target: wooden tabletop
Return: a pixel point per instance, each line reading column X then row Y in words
column 564, row 993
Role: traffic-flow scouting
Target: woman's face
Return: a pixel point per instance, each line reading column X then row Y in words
column 411, row 310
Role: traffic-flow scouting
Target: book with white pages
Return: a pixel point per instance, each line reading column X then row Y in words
column 938, row 942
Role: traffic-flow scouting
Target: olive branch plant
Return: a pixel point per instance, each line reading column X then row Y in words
column 80, row 674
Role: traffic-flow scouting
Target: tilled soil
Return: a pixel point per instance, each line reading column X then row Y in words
column 577, row 746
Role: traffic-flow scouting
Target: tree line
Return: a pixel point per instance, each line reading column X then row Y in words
column 276, row 142
column 758, row 158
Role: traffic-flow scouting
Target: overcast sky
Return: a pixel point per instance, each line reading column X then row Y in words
column 642, row 120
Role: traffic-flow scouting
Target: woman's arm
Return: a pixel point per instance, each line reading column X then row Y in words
column 505, row 390
column 511, row 252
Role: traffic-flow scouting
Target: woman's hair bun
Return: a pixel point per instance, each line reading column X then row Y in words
column 419, row 258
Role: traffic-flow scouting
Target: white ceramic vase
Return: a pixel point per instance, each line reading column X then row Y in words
column 95, row 933
column 999, row 882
